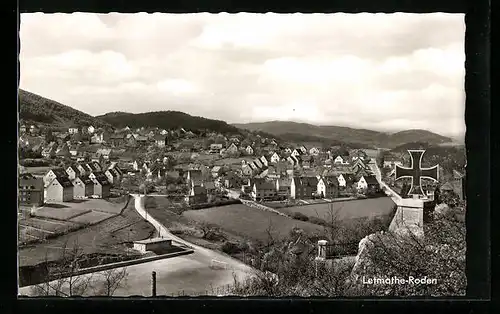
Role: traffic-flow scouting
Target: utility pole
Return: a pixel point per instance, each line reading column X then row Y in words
column 153, row 284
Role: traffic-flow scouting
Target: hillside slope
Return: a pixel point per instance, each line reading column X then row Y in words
column 167, row 120
column 292, row 130
column 38, row 109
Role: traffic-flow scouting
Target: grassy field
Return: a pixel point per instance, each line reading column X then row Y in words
column 352, row 209
column 111, row 236
column 38, row 170
column 249, row 222
column 92, row 217
column 60, row 213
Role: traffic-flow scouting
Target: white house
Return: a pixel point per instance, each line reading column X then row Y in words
column 249, row 150
column 163, row 132
column 275, row 158
column 366, row 182
column 296, row 153
column 340, row 161
column 314, row 151
column 91, row 129
column 73, row 130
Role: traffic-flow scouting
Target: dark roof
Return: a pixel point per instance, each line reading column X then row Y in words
column 348, row 177
column 26, row 176
column 64, row 181
column 74, row 168
column 306, row 181
column 370, row 179
column 330, row 181
column 91, row 166
column 101, row 178
column 264, row 185
column 86, row 180
column 198, row 189
column 59, row 172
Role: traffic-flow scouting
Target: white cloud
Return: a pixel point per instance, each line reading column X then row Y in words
column 386, row 71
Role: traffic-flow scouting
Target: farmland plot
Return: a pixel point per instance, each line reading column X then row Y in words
column 48, row 224
column 91, row 217
column 63, row 213
column 371, row 207
column 250, row 222
column 109, row 237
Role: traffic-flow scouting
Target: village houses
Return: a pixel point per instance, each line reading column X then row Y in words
column 249, row 150
column 31, row 190
column 368, row 182
column 328, row 187
column 58, row 186
column 83, row 187
column 303, row 187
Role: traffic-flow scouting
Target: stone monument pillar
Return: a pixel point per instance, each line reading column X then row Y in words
column 409, row 217
column 322, row 250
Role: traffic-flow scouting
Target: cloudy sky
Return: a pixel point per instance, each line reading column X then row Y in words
column 376, row 71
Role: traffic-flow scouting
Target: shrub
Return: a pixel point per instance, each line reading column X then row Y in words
column 299, row 216
column 230, row 248
column 318, row 221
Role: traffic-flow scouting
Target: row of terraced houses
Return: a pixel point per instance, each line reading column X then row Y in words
column 79, row 181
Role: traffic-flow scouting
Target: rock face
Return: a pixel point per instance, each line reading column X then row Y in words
column 362, row 260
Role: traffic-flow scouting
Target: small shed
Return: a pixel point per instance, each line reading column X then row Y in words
column 152, row 244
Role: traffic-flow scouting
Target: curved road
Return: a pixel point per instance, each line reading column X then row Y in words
column 183, row 275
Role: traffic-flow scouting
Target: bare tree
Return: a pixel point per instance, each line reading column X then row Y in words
column 112, row 280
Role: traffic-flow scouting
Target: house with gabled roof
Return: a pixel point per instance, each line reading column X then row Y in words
column 102, row 186
column 83, row 187
column 52, row 174
column 346, row 179
column 30, row 190
column 197, row 195
column 303, row 187
column 112, row 176
column 59, row 189
column 328, row 187
column 262, row 189
column 283, row 186
column 104, row 152
column 73, row 172
column 249, row 150
column 160, row 140
column 275, row 157
column 296, row 152
column 368, row 182
column 117, row 139
column 232, row 149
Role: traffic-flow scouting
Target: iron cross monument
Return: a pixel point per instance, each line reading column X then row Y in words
column 416, row 172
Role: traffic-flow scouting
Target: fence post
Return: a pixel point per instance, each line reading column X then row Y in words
column 153, row 284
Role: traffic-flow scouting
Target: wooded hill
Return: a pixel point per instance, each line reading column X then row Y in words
column 167, row 120
column 38, row 109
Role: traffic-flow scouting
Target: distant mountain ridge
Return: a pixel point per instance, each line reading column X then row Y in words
column 294, row 130
column 35, row 108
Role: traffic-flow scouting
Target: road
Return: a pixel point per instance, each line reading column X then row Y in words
column 390, row 192
column 183, row 275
